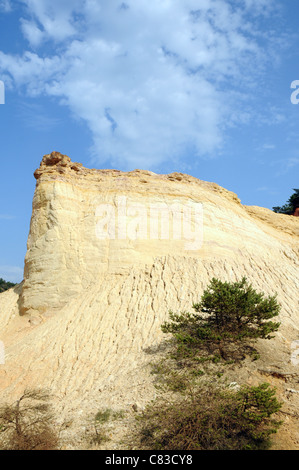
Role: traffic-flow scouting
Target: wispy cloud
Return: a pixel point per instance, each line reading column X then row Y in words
column 11, row 273
column 266, row 146
column 292, row 162
column 5, row 6
column 285, row 165
column 6, row 217
column 152, row 80
column 266, row 189
column 35, row 116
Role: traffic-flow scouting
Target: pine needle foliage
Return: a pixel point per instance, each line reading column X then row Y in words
column 228, row 315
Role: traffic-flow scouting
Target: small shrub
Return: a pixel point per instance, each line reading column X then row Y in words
column 213, row 420
column 102, row 417
column 203, row 413
column 28, row 423
column 108, row 414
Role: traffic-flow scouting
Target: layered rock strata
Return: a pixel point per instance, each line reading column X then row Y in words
column 86, row 223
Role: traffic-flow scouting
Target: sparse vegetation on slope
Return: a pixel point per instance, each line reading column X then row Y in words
column 101, row 420
column 213, row 419
column 203, row 412
column 28, row 423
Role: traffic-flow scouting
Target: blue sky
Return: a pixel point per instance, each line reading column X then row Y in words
column 196, row 86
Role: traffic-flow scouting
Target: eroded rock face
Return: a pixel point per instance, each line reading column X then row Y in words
column 86, row 223
column 101, row 274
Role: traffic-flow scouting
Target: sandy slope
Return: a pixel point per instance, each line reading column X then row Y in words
column 93, row 350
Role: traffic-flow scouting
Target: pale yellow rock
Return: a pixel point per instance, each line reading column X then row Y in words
column 90, row 307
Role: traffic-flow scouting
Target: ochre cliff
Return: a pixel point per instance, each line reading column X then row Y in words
column 109, row 254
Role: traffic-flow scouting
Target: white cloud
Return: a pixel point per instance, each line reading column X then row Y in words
column 54, row 17
column 32, row 32
column 5, row 6
column 153, row 80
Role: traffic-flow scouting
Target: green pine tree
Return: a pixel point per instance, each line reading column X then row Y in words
column 5, row 285
column 228, row 314
column 290, row 205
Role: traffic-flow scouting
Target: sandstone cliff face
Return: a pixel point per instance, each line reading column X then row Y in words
column 109, row 254
column 70, row 247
